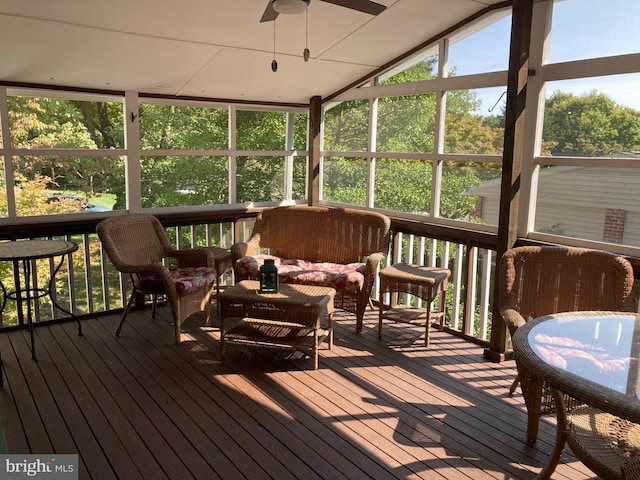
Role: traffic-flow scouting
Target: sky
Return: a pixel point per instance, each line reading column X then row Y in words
column 580, row 29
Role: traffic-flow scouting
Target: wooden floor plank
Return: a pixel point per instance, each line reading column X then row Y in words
column 63, row 386
column 112, row 452
column 151, row 418
column 139, row 406
column 272, row 421
column 31, row 388
column 208, row 410
column 506, row 423
column 14, row 398
column 324, row 404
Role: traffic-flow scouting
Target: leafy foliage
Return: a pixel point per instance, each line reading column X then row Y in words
column 407, row 124
column 589, row 125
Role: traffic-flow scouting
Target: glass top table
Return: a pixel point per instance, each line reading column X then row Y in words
column 591, row 356
column 22, row 253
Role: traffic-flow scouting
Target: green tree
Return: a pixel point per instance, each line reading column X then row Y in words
column 31, row 197
column 346, row 126
column 37, row 123
column 183, row 180
column 406, row 124
column 403, row 185
column 588, row 125
column 260, row 178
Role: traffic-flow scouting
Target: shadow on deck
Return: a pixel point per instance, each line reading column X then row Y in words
column 140, row 407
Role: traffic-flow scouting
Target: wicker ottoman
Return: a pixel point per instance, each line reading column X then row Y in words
column 423, row 282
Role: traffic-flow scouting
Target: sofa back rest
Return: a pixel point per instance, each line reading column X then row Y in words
column 321, row 234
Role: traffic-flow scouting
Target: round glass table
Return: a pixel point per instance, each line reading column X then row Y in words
column 22, row 253
column 592, row 357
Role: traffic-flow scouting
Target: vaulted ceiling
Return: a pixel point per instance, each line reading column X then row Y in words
column 211, row 48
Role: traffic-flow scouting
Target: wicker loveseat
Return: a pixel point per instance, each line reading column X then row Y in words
column 334, row 247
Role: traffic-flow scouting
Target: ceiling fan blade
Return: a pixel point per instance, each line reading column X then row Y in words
column 366, row 6
column 269, row 14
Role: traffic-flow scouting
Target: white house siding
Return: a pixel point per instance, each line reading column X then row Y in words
column 591, row 186
column 586, row 223
column 490, row 210
column 573, row 201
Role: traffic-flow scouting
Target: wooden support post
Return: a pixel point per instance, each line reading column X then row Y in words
column 315, row 121
column 512, row 158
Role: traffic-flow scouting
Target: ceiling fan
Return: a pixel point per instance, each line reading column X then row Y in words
column 292, row 7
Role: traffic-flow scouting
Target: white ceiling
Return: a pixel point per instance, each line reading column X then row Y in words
column 210, row 48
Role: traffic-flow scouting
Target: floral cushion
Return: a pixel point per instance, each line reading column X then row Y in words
column 190, row 279
column 342, row 277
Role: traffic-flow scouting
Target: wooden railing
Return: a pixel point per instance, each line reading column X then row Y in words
column 469, row 254
column 88, row 285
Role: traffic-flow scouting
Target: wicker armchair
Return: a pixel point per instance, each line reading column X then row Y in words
column 136, row 244
column 536, row 281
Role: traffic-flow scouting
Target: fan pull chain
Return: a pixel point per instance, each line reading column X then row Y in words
column 274, row 62
column 305, row 53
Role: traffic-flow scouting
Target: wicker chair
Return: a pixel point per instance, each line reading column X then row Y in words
column 136, row 244
column 540, row 280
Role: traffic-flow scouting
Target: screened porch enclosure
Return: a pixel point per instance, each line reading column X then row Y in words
column 511, row 124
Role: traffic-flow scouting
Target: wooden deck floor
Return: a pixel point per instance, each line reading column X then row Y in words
column 141, row 407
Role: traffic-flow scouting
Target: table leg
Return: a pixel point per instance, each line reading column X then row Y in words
column 51, row 288
column 221, row 338
column 26, row 266
column 561, row 437
column 31, row 294
column 315, row 349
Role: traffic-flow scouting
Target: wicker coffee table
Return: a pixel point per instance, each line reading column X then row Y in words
column 298, row 317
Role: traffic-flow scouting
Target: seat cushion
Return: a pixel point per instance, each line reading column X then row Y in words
column 343, row 277
column 190, row 279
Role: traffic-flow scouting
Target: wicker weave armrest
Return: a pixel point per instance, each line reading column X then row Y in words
column 244, row 249
column 370, row 272
column 374, row 260
column 371, row 266
column 195, row 257
column 135, row 268
column 238, row 250
column 513, row 319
